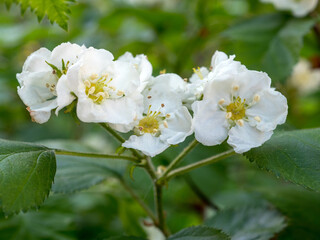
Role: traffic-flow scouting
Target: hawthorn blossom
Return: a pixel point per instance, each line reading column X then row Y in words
column 165, row 120
column 242, row 106
column 40, row 75
column 143, row 66
column 221, row 64
column 106, row 90
column 299, row 8
column 304, row 78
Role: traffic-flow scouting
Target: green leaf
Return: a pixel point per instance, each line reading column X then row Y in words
column 272, row 42
column 78, row 173
column 26, row 175
column 199, row 233
column 293, row 155
column 301, row 208
column 56, row 10
column 38, row 225
column 250, row 223
column 125, row 238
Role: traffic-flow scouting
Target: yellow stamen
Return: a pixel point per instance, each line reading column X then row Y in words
column 257, row 118
column 198, row 72
column 240, row 122
column 237, row 109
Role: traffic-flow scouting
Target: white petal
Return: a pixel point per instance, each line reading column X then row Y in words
column 299, row 8
column 251, row 82
column 217, row 58
column 209, row 123
column 34, row 90
column 124, row 128
column 95, row 61
column 167, row 90
column 126, row 77
column 39, row 116
column 64, row 96
column 69, row 52
column 143, row 66
column 272, row 109
column 223, row 65
column 36, row 62
column 219, row 89
column 123, row 110
column 179, row 126
column 242, row 139
column 146, row 143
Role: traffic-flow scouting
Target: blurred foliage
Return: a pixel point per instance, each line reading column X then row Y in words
column 176, row 36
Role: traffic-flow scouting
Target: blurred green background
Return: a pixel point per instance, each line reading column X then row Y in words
column 176, row 35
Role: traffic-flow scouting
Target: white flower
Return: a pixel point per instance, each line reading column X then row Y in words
column 242, row 106
column 40, row 75
column 143, row 66
column 107, row 90
column 221, row 65
column 304, row 78
column 165, row 121
column 299, row 8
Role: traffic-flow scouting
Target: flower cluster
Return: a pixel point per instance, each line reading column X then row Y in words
column 299, row 8
column 226, row 100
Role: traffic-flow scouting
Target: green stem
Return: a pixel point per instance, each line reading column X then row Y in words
column 160, row 213
column 139, row 201
column 201, row 163
column 95, row 155
column 112, row 132
column 120, row 139
column 178, row 159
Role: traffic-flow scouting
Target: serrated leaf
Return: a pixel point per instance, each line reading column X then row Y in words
column 26, row 175
column 74, row 174
column 272, row 42
column 301, row 208
column 199, row 233
column 293, row 155
column 249, row 223
column 56, row 10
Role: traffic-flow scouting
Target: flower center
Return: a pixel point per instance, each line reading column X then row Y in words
column 237, row 109
column 150, row 123
column 98, row 88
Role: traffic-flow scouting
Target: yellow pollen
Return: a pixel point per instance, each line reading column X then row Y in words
column 94, row 76
column 221, row 101
column 256, row 98
column 237, row 109
column 240, row 122
column 228, row 115
column 257, row 118
column 120, row 93
column 235, row 87
column 150, row 123
column 163, row 71
column 87, row 83
column 96, row 88
column 91, row 90
column 198, row 72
